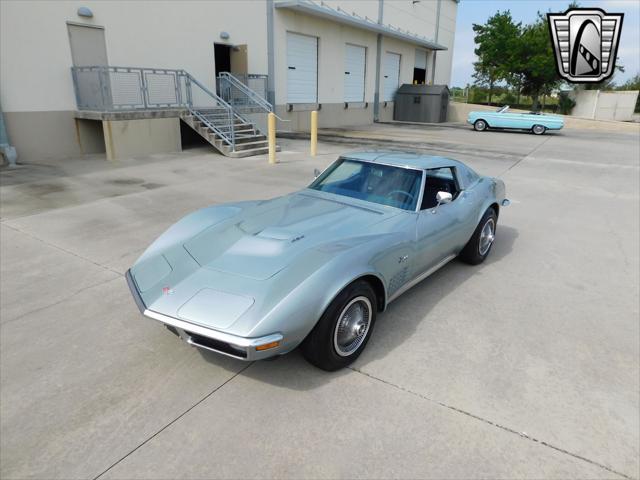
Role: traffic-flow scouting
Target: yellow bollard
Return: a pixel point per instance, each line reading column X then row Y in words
column 314, row 133
column 271, row 135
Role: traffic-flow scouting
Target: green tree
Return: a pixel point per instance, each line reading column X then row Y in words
column 496, row 42
column 537, row 63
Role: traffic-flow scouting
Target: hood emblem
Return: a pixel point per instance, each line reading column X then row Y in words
column 168, row 290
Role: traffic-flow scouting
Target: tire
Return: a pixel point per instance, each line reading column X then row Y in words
column 538, row 129
column 479, row 246
column 327, row 346
column 480, row 125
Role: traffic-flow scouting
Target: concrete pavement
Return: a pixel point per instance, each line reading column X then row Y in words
column 524, row 367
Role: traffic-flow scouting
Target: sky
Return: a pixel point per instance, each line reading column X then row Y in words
column 525, row 11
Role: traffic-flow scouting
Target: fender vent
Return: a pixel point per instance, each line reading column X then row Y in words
column 398, row 280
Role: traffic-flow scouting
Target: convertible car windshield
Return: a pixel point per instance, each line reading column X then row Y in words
column 384, row 184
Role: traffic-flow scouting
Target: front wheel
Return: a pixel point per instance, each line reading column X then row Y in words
column 480, row 125
column 538, row 129
column 343, row 330
column 479, row 246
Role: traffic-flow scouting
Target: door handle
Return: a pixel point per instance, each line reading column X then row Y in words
column 292, row 68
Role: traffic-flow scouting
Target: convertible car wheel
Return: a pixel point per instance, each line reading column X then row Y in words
column 481, row 242
column 538, row 129
column 480, row 126
column 344, row 330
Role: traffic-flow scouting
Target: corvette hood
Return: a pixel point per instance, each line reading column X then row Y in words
column 265, row 238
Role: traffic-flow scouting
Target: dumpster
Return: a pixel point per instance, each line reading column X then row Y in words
column 421, row 103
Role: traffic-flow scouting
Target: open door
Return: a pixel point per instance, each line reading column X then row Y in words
column 239, row 64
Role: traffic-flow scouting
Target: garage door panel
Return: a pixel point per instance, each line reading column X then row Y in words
column 302, row 68
column 391, row 72
column 354, row 73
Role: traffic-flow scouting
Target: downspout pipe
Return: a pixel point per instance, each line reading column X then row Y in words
column 6, row 149
column 271, row 89
column 433, row 69
column 376, row 95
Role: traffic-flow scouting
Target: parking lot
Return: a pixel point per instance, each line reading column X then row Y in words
column 524, row 366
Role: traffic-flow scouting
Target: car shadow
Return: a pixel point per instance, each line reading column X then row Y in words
column 393, row 327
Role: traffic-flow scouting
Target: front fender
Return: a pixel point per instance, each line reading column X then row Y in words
column 297, row 313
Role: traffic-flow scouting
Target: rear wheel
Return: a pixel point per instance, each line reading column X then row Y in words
column 538, row 129
column 480, row 125
column 343, row 330
column 479, row 246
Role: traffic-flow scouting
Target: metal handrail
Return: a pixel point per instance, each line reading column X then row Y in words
column 253, row 95
column 229, row 136
column 113, row 88
column 246, row 90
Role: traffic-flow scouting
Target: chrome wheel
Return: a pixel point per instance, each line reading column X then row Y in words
column 480, row 125
column 538, row 129
column 487, row 236
column 352, row 327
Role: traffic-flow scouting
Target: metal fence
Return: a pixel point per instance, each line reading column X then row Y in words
column 105, row 88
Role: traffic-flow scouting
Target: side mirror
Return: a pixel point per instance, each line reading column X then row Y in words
column 316, row 173
column 442, row 198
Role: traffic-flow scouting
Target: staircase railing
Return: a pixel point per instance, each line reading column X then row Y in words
column 245, row 101
column 211, row 110
column 110, row 89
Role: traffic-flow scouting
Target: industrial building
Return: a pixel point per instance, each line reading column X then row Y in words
column 80, row 77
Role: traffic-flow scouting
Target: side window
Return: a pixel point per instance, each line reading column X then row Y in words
column 438, row 180
column 468, row 176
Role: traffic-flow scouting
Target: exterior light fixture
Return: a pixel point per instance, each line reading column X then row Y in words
column 224, row 35
column 85, row 12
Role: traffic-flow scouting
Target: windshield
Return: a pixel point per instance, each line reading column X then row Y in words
column 503, row 109
column 384, row 184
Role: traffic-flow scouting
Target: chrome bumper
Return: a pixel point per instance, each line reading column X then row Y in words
column 234, row 346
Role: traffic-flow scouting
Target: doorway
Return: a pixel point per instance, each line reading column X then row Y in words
column 222, row 58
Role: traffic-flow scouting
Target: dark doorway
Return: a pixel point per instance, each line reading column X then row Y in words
column 222, row 55
column 419, row 76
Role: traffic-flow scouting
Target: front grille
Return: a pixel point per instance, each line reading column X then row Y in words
column 216, row 345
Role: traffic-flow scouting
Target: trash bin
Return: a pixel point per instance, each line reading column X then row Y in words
column 421, row 103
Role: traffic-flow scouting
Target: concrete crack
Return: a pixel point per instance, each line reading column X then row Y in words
column 57, row 302
column 494, row 424
column 173, row 421
column 526, row 156
column 62, row 249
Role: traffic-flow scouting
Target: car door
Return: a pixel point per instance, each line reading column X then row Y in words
column 443, row 230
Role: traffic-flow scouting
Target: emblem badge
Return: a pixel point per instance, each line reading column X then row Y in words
column 585, row 41
column 167, row 290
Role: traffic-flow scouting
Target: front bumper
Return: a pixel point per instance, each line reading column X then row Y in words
column 242, row 348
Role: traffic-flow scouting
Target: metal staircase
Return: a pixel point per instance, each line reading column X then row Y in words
column 224, row 121
column 234, row 122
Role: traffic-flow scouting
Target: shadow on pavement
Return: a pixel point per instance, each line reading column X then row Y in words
column 293, row 372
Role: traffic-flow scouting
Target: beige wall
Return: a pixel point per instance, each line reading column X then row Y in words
column 36, row 57
column 131, row 138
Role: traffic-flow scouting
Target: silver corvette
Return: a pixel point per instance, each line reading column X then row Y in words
column 313, row 268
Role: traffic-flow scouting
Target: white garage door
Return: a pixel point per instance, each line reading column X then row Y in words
column 391, row 74
column 302, row 68
column 354, row 68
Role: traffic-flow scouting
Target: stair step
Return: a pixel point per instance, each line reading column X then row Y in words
column 252, row 145
column 248, row 153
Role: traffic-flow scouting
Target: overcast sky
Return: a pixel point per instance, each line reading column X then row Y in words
column 525, row 11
